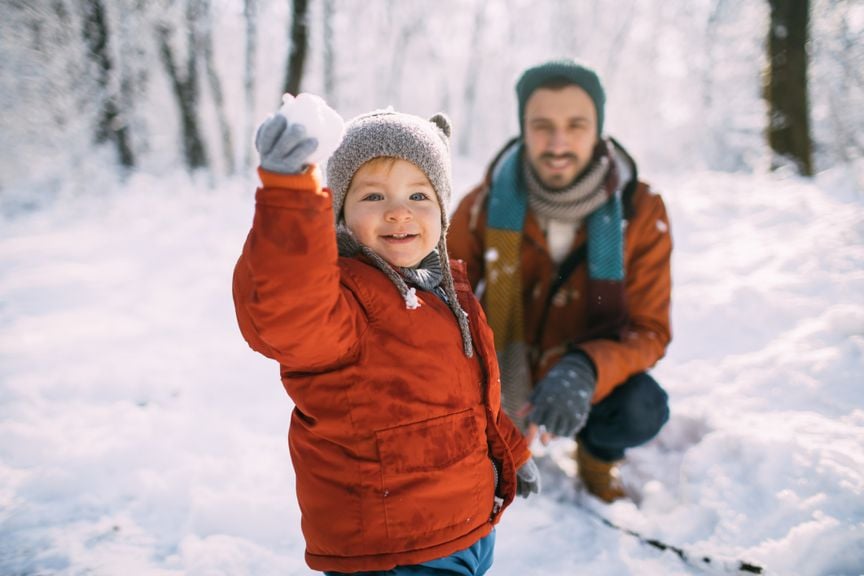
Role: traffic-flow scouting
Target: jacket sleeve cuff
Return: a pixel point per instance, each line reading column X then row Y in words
column 309, row 179
column 292, row 190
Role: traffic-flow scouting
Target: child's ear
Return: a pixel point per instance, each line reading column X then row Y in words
column 442, row 121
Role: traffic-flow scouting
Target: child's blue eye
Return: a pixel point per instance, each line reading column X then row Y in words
column 419, row 196
column 373, row 197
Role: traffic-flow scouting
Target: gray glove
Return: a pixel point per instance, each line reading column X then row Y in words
column 283, row 148
column 562, row 399
column 528, row 479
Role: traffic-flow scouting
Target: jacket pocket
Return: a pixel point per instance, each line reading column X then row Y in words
column 435, row 476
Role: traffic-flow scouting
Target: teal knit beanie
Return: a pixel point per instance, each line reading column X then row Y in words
column 558, row 72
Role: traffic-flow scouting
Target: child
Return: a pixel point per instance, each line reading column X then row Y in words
column 404, row 460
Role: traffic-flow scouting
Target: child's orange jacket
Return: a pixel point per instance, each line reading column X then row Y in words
column 393, row 425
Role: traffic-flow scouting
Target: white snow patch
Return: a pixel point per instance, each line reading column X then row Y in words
column 140, row 435
column 320, row 121
column 411, row 300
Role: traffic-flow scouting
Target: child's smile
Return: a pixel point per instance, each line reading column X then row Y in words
column 400, row 238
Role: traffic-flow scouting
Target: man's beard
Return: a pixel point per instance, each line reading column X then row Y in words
column 557, row 182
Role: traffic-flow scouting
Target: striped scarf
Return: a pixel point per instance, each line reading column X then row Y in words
column 596, row 198
column 573, row 204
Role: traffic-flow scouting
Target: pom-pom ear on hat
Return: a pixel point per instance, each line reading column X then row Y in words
column 442, row 121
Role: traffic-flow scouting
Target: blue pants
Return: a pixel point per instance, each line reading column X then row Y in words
column 631, row 415
column 472, row 561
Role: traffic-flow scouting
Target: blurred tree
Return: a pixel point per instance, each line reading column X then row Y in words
column 111, row 125
column 786, row 89
column 250, row 15
column 205, row 33
column 412, row 27
column 837, row 81
column 472, row 73
column 329, row 42
column 185, row 84
column 299, row 46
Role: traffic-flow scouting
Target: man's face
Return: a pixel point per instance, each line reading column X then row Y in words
column 560, row 134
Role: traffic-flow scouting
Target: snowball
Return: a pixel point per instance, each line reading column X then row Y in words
column 321, row 122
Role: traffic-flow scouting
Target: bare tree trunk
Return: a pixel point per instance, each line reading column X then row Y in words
column 626, row 18
column 710, row 54
column 789, row 124
column 299, row 46
column 845, row 48
column 111, row 126
column 471, row 75
column 251, row 16
column 216, row 86
column 185, row 89
column 400, row 51
column 329, row 54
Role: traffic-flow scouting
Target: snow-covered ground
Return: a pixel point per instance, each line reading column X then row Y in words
column 140, row 436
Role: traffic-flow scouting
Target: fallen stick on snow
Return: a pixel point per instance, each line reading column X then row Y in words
column 736, row 566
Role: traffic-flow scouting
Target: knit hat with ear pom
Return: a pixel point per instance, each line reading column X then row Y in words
column 386, row 133
column 424, row 143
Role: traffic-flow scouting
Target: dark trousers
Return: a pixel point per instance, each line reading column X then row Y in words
column 631, row 415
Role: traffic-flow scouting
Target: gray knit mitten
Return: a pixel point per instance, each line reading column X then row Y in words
column 562, row 399
column 284, row 147
column 528, row 479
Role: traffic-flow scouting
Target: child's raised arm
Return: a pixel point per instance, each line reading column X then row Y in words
column 287, row 294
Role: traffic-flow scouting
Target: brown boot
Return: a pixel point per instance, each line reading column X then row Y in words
column 599, row 477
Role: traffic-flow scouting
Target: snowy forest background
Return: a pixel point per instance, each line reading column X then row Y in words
column 168, row 83
column 140, row 435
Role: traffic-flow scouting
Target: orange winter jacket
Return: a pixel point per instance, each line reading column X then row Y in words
column 555, row 323
column 393, row 426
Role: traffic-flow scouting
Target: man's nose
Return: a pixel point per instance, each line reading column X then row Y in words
column 558, row 141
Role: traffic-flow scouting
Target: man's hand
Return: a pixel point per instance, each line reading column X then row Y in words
column 562, row 399
column 284, row 147
column 528, row 479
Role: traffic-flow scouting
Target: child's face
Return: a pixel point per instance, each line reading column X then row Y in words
column 391, row 207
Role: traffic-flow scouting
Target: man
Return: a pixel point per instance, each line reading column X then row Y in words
column 570, row 254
